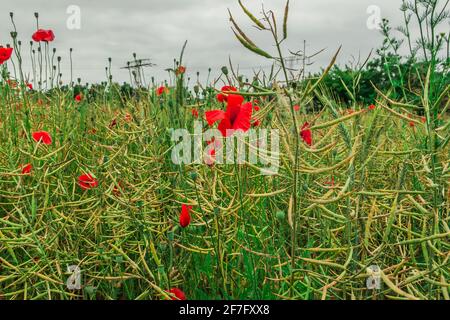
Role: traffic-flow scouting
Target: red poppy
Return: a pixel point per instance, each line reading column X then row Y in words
column 128, row 117
column 256, row 108
column 296, row 108
column 306, row 134
column 42, row 136
column 177, row 293
column 79, row 97
column 43, row 35
column 330, row 182
column 5, row 54
column 87, row 181
column 256, row 123
column 236, row 117
column 195, row 113
column 117, row 190
column 27, row 169
column 210, row 156
column 372, row 107
column 423, row 119
column 161, row 90
column 222, row 97
column 185, row 217
column 113, row 123
column 180, row 70
column 411, row 124
column 256, row 101
column 30, row 86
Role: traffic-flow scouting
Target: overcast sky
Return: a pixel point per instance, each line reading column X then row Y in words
column 157, row 30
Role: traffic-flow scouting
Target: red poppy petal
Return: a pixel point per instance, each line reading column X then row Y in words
column 243, row 119
column 214, row 116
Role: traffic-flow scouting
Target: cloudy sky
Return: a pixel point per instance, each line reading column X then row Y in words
column 157, row 30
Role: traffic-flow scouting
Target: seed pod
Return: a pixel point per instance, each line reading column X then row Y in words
column 252, row 48
column 252, row 17
column 286, row 13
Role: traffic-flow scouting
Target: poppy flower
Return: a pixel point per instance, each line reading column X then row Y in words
column 161, row 90
column 236, row 117
column 330, row 182
column 223, row 97
column 87, row 181
column 78, row 97
column 256, row 108
column 177, row 293
column 117, row 190
column 113, row 123
column 180, row 70
column 27, row 169
column 306, row 134
column 42, row 136
column 210, row 156
column 296, row 107
column 372, row 107
column 30, row 86
column 423, row 119
column 195, row 113
column 43, row 35
column 5, row 54
column 411, row 124
column 256, row 123
column 128, row 117
column 185, row 217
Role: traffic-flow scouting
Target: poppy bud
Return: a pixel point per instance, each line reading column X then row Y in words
column 13, row 34
column 194, row 176
column 36, row 14
column 225, row 70
column 11, row 14
column 196, row 89
column 280, row 215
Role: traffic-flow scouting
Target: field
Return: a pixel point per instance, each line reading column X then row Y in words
column 87, row 179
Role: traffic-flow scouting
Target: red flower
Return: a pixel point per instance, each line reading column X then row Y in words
column 79, row 97
column 30, row 86
column 178, row 294
column 185, row 217
column 236, row 117
column 43, row 35
column 306, row 134
column 87, row 181
column 27, row 169
column 195, row 113
column 128, row 117
column 411, row 124
column 5, row 54
column 423, row 119
column 372, row 107
column 180, row 70
column 161, row 90
column 113, row 123
column 256, row 123
column 256, row 108
column 223, row 97
column 42, row 136
column 296, row 108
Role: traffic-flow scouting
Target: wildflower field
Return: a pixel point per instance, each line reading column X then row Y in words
column 357, row 208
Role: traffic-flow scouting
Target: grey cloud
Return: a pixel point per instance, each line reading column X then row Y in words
column 157, row 30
